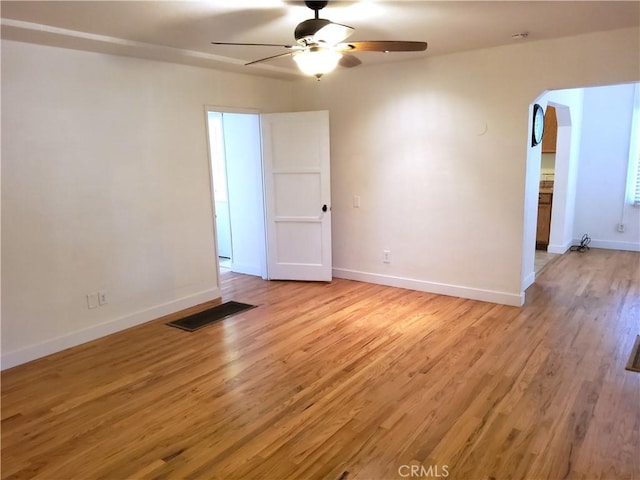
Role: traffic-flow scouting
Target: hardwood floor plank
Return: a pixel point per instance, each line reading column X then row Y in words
column 323, row 379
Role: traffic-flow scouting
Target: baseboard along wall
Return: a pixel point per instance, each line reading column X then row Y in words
column 57, row 344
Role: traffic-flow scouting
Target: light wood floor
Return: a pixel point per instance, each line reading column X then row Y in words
column 543, row 258
column 324, row 379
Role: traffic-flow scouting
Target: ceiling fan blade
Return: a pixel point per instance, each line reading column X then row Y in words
column 383, row 46
column 269, row 58
column 349, row 61
column 254, row 44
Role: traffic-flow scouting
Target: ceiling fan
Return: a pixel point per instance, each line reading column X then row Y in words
column 319, row 49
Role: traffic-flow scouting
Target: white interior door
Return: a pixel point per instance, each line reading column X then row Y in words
column 295, row 150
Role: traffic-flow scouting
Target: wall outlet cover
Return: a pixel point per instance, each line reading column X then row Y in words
column 102, row 297
column 92, row 300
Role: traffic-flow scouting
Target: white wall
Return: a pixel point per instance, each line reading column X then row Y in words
column 602, row 174
column 437, row 150
column 105, row 185
column 105, row 181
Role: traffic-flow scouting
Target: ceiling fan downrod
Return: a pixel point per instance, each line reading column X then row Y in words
column 316, row 5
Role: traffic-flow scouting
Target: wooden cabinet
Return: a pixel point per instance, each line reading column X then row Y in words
column 544, row 220
column 550, row 134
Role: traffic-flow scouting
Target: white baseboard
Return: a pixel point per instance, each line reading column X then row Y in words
column 611, row 245
column 513, row 299
column 31, row 352
column 560, row 249
column 246, row 269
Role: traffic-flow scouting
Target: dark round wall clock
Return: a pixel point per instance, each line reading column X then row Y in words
column 538, row 125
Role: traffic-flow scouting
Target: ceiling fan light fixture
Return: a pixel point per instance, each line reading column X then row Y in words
column 317, row 61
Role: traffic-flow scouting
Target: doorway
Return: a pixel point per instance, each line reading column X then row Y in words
column 237, row 186
column 546, row 190
column 568, row 111
column 279, row 210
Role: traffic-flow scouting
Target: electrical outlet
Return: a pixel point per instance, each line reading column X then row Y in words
column 102, row 297
column 356, row 201
column 621, row 227
column 386, row 256
column 92, row 300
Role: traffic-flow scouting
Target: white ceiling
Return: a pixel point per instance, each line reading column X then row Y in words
column 181, row 31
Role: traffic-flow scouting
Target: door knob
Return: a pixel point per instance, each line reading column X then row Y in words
column 324, row 208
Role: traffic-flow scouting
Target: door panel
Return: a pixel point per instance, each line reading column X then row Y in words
column 297, row 186
column 305, row 188
column 303, row 245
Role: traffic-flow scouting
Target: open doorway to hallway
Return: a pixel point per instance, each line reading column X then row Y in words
column 238, row 199
column 592, row 173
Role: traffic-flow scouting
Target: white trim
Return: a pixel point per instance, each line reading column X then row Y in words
column 229, row 109
column 560, row 249
column 53, row 345
column 611, row 245
column 516, row 300
column 528, row 281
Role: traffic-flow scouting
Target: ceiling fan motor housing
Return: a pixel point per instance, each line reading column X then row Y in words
column 307, row 29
